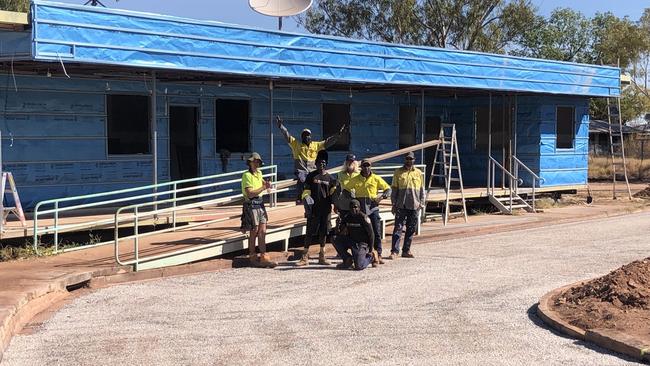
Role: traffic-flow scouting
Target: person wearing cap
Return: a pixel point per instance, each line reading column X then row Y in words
column 317, row 198
column 254, row 216
column 408, row 197
column 304, row 151
column 355, row 234
column 365, row 188
column 343, row 196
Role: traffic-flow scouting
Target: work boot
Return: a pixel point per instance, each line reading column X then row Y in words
column 304, row 261
column 266, row 262
column 407, row 255
column 380, row 260
column 253, row 260
column 346, row 264
column 322, row 260
column 375, row 259
column 392, row 256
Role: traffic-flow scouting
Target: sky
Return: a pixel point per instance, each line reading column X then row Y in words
column 238, row 12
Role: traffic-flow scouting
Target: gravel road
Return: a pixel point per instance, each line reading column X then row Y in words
column 460, row 302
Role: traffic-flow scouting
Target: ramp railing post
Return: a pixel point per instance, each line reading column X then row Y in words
column 136, row 233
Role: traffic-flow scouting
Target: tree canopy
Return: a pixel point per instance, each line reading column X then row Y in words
column 14, row 5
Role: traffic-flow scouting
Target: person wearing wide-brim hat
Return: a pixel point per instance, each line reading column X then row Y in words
column 254, row 216
column 304, row 151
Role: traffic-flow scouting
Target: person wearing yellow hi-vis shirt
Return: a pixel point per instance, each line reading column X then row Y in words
column 254, row 217
column 408, row 198
column 304, row 152
column 365, row 188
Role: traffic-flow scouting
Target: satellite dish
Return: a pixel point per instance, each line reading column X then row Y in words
column 280, row 8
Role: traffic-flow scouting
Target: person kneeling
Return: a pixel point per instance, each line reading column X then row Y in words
column 355, row 235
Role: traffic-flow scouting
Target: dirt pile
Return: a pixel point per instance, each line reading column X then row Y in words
column 645, row 194
column 619, row 300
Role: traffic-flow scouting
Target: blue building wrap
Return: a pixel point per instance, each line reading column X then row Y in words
column 65, row 32
column 54, row 128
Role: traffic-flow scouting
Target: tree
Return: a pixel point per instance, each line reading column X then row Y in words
column 482, row 25
column 14, row 5
column 565, row 35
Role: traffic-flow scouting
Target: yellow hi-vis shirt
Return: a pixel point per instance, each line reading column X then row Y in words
column 344, row 177
column 407, row 189
column 366, row 187
column 253, row 181
column 304, row 155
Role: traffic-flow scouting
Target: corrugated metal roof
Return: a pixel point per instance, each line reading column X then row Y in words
column 66, row 32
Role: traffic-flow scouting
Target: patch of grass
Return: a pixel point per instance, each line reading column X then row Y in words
column 545, row 203
column 600, row 167
column 25, row 251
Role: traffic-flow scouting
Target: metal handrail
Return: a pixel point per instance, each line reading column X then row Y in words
column 137, row 214
column 514, row 181
column 536, row 178
column 156, row 194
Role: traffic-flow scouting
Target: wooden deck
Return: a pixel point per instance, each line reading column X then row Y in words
column 481, row 192
column 104, row 220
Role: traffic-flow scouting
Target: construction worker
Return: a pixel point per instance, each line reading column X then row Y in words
column 343, row 197
column 407, row 197
column 304, row 152
column 254, row 216
column 317, row 198
column 365, row 187
column 355, row 235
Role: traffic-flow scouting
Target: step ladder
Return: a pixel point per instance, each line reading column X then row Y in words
column 8, row 186
column 446, row 169
column 617, row 146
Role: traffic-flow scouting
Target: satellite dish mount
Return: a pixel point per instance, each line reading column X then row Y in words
column 280, row 8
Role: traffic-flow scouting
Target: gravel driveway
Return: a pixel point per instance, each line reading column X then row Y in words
column 466, row 301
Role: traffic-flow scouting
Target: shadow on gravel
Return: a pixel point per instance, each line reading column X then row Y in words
column 532, row 315
column 289, row 267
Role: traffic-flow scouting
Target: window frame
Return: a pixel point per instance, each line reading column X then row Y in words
column 399, row 125
column 250, row 119
column 149, row 132
column 349, row 123
column 573, row 128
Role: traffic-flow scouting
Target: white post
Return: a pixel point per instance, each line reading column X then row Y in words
column 154, row 136
column 2, row 198
column 271, row 120
column 422, row 131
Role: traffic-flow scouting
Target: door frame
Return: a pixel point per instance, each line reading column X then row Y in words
column 197, row 128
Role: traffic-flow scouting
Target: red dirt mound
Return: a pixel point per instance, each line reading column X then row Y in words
column 619, row 300
column 645, row 194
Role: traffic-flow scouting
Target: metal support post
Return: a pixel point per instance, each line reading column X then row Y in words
column 136, row 235
column 422, row 131
column 56, row 227
column 154, row 134
column 489, row 150
column 2, row 198
column 271, row 121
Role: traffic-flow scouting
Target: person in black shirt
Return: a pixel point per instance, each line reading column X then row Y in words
column 355, row 235
column 317, row 198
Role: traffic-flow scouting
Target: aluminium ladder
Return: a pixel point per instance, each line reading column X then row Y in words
column 445, row 163
column 8, row 186
column 617, row 146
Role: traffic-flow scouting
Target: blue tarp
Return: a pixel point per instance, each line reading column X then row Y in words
column 65, row 32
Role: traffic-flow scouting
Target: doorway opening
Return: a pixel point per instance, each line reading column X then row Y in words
column 183, row 142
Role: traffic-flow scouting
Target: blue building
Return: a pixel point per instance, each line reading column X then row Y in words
column 96, row 99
